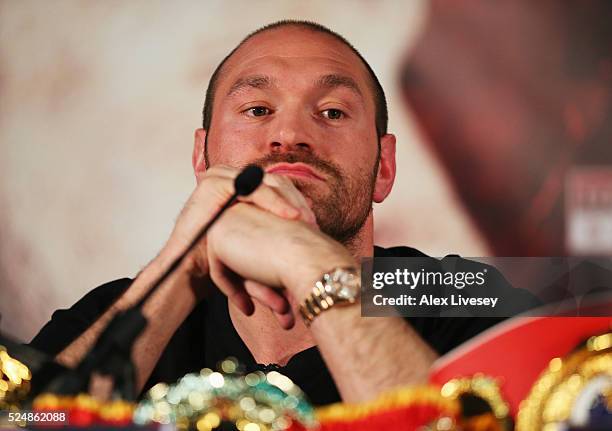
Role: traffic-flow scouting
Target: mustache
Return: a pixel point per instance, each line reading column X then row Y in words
column 307, row 158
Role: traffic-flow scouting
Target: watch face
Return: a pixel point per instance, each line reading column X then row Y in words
column 343, row 284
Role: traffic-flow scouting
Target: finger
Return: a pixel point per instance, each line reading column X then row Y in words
column 269, row 297
column 230, row 284
column 223, row 171
column 290, row 192
column 286, row 187
column 271, row 200
column 291, row 199
column 285, row 320
column 274, row 300
column 268, row 198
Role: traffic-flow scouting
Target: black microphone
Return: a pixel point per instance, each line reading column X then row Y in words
column 245, row 183
column 248, row 180
column 111, row 355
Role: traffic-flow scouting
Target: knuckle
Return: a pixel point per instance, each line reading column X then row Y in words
column 284, row 181
column 218, row 170
column 277, row 198
column 219, row 185
column 271, row 180
column 213, row 171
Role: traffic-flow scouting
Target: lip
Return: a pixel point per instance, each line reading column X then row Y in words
column 294, row 169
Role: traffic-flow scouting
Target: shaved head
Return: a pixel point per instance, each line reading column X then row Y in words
column 377, row 92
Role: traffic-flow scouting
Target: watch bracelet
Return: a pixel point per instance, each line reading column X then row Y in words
column 319, row 299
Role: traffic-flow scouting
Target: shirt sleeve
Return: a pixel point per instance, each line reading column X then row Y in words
column 66, row 325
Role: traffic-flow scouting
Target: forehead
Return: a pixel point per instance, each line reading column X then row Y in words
column 290, row 54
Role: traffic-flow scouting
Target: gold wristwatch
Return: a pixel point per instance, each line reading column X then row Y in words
column 340, row 286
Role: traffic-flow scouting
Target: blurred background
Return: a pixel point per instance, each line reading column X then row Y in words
column 503, row 113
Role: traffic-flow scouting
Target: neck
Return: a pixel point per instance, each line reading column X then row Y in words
column 267, row 341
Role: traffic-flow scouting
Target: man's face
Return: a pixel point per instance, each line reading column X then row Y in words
column 299, row 103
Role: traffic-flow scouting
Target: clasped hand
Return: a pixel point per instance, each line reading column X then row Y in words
column 266, row 248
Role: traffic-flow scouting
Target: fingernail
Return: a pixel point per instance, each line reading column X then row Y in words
column 292, row 212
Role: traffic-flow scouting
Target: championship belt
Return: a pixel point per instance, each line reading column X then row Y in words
column 552, row 373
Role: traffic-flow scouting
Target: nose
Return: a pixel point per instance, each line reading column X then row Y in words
column 290, row 133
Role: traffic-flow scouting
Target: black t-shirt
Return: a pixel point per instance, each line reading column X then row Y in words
column 208, row 336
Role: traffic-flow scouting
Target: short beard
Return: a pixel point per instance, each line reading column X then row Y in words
column 343, row 211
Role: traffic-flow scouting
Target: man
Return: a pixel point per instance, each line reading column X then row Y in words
column 299, row 101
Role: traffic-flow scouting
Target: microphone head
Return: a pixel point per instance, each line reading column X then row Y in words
column 248, row 180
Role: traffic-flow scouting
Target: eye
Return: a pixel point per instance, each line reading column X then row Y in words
column 333, row 114
column 257, row 111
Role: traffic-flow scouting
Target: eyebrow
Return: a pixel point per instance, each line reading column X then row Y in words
column 253, row 81
column 333, row 80
column 262, row 82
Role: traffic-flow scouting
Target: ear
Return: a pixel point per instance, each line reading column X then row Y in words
column 386, row 168
column 198, row 161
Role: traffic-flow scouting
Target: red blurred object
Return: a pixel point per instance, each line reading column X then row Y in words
column 517, row 351
column 82, row 417
column 511, row 96
column 412, row 418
